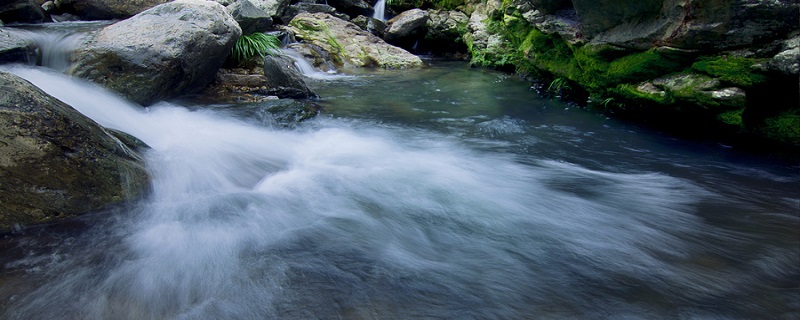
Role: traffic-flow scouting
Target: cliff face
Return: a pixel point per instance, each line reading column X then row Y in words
column 718, row 64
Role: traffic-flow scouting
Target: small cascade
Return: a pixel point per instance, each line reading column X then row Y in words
column 56, row 42
column 307, row 69
column 380, row 10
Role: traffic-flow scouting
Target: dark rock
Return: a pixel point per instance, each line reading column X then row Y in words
column 371, row 25
column 299, row 7
column 283, row 79
column 138, row 59
column 14, row 48
column 444, row 31
column 315, row 55
column 21, row 11
column 352, row 8
column 56, row 163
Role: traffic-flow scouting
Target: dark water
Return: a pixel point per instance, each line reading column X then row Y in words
column 443, row 193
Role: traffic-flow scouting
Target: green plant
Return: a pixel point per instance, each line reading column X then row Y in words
column 256, row 44
column 558, row 84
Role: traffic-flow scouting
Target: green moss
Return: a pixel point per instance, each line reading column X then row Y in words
column 631, row 92
column 732, row 117
column 639, row 66
column 737, row 71
column 784, row 127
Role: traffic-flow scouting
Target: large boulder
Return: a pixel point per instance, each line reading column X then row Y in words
column 138, row 59
column 444, row 31
column 407, row 25
column 349, row 45
column 57, row 163
column 787, row 61
column 105, row 9
column 21, row 11
column 14, row 48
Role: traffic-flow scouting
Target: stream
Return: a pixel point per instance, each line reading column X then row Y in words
column 441, row 193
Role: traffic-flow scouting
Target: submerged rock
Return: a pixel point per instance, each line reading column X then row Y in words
column 348, row 44
column 56, row 163
column 138, row 59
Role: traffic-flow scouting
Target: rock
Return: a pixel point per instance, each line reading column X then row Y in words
column 348, row 45
column 787, row 61
column 701, row 90
column 371, row 25
column 55, row 163
column 444, row 31
column 352, row 8
column 283, row 79
column 136, row 58
column 686, row 24
column 274, row 8
column 407, row 26
column 106, row 9
column 14, row 48
column 487, row 48
column 549, row 6
column 297, row 8
column 21, row 11
column 250, row 18
column 315, row 55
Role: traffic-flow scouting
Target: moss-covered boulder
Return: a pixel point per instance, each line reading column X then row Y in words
column 139, row 59
column 56, row 163
column 349, row 45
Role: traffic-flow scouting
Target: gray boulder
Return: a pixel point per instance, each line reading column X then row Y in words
column 105, row 9
column 56, row 163
column 405, row 25
column 14, row 48
column 274, row 8
column 444, row 30
column 370, row 24
column 787, row 62
column 352, row 8
column 21, row 11
column 138, row 59
column 349, row 45
column 250, row 18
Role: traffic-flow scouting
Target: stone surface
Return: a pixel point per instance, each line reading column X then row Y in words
column 306, row 7
column 21, row 11
column 349, row 45
column 106, row 9
column 787, row 61
column 136, row 58
column 283, row 79
column 407, row 24
column 370, row 24
column 14, row 48
column 701, row 90
column 352, row 8
column 56, row 163
column 250, row 18
column 274, row 8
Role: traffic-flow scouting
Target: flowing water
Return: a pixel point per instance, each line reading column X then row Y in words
column 442, row 193
column 380, row 9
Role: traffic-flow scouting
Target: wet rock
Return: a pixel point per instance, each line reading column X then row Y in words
column 371, row 25
column 56, row 163
column 105, row 9
column 701, row 90
column 14, row 48
column 315, row 55
column 21, row 11
column 250, row 18
column 283, row 79
column 487, row 47
column 136, row 58
column 349, row 45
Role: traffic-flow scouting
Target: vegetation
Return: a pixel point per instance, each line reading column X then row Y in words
column 256, row 44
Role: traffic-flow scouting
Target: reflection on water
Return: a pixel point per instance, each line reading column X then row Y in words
column 447, row 193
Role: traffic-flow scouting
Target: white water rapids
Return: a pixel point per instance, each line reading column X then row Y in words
column 348, row 219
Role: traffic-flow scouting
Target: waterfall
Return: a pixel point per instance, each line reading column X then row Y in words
column 380, row 8
column 307, row 69
column 56, row 42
